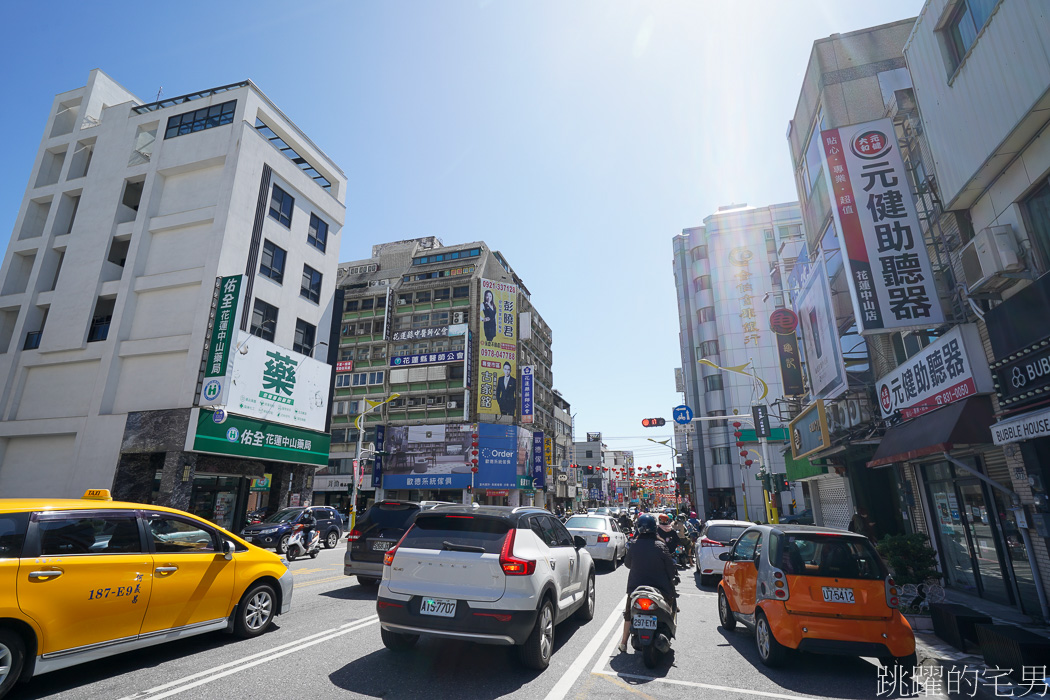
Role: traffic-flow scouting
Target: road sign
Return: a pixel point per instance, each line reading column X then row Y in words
column 760, row 412
column 683, row 415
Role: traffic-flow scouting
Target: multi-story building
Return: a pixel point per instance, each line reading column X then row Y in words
column 591, row 461
column 565, row 475
column 133, row 214
column 981, row 76
column 728, row 282
column 418, row 319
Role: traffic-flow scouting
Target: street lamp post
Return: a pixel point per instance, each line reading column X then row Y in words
column 359, row 423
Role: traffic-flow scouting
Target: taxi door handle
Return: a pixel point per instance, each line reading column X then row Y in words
column 166, row 569
column 45, row 574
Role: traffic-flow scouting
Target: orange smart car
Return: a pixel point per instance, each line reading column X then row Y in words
column 813, row 589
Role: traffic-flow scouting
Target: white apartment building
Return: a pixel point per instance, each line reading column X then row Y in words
column 131, row 214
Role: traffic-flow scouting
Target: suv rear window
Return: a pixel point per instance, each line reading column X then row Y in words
column 13, row 528
column 454, row 531
column 387, row 515
column 837, row 556
column 724, row 533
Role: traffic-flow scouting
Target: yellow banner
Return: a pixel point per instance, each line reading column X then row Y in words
column 498, row 349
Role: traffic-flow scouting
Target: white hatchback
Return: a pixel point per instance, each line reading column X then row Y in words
column 716, row 536
column 488, row 574
column 605, row 540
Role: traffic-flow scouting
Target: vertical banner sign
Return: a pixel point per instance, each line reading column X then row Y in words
column 538, row 471
column 527, row 378
column 783, row 323
column 548, row 455
column 217, row 365
column 498, row 349
column 820, row 340
column 890, row 278
column 760, row 414
column 388, row 319
column 377, row 459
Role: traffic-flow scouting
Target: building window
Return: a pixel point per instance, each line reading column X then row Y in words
column 380, row 302
column 304, row 337
column 768, row 234
column 379, row 352
column 461, row 292
column 706, row 314
column 367, row 304
column 423, row 296
column 713, row 383
column 811, row 158
column 264, row 320
column 360, row 379
column 272, row 263
column 318, row 235
column 778, row 301
column 304, row 165
column 699, row 253
column 200, row 119
column 376, row 377
column 442, row 294
column 311, row 288
column 99, row 329
column 721, row 455
column 342, row 381
column 1036, row 208
column 789, row 233
column 962, row 28
column 351, row 305
column 709, row 348
column 281, row 205
column 589, row 454
column 702, row 282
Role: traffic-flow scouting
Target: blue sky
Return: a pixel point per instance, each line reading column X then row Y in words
column 577, row 137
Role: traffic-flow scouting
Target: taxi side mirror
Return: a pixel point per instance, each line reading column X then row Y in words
column 725, row 556
column 227, row 550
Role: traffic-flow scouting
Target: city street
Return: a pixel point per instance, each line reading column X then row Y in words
column 329, row 645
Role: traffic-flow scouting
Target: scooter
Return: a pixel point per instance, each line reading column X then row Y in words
column 296, row 547
column 681, row 558
column 653, row 623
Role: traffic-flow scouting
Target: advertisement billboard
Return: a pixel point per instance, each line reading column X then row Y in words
column 539, row 472
column 217, row 363
column 238, row 436
column 498, row 350
column 527, row 378
column 498, row 456
column 278, row 385
column 890, row 278
column 820, row 338
column 426, row 456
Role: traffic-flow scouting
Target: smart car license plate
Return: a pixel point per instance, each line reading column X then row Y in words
column 442, row 607
column 382, row 546
column 644, row 622
column 838, row 595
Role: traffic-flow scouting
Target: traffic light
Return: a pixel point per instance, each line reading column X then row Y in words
column 653, row 422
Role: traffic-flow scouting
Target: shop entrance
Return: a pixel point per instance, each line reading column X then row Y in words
column 220, row 499
column 967, row 530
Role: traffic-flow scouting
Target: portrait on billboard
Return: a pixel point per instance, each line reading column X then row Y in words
column 488, row 315
column 506, row 389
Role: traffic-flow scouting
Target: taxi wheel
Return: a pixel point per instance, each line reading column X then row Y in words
column 255, row 611
column 12, row 657
column 282, row 545
column 770, row 651
column 332, row 541
column 725, row 613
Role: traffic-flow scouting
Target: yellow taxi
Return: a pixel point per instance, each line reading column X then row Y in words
column 813, row 589
column 82, row 579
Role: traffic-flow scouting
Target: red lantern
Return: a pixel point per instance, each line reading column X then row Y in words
column 736, row 424
column 748, row 462
column 743, row 453
column 474, row 470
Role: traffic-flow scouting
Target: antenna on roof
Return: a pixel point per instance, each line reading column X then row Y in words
column 160, row 91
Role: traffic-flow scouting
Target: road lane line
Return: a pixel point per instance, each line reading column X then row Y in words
column 706, row 686
column 320, row 580
column 607, row 653
column 579, row 664
column 254, row 659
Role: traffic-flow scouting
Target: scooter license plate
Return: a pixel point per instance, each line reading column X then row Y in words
column 644, row 622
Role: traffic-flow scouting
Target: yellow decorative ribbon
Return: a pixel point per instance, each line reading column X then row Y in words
column 739, row 369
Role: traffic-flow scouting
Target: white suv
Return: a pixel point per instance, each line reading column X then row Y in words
column 488, row 574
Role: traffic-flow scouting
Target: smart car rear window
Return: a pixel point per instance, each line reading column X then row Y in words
column 838, row 556
column 457, row 533
column 13, row 528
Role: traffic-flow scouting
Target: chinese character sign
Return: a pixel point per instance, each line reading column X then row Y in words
column 526, row 393
column 218, row 350
column 498, row 349
column 539, row 473
column 890, row 278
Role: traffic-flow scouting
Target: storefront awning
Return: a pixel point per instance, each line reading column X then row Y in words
column 961, row 423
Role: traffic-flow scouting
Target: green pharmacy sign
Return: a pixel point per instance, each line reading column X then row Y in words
column 251, row 438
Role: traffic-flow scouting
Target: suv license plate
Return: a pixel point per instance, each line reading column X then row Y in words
column 442, row 607
column 644, row 622
column 382, row 546
column 838, row 595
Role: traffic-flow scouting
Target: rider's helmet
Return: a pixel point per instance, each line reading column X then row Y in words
column 692, row 514
column 646, row 524
column 681, row 516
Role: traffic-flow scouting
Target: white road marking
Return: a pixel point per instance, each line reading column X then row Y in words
column 707, row 686
column 568, row 679
column 610, row 648
column 243, row 664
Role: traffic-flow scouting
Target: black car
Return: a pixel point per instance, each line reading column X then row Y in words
column 378, row 530
column 274, row 531
column 804, row 517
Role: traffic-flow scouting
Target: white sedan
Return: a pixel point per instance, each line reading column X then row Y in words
column 605, row 539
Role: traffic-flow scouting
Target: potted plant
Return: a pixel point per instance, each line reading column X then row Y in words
column 913, row 563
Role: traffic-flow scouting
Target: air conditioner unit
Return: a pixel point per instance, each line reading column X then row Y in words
column 401, row 302
column 992, row 252
column 459, row 317
column 452, row 404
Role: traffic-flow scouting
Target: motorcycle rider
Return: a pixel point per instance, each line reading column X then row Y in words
column 309, row 523
column 684, row 536
column 624, row 522
column 651, row 565
column 668, row 534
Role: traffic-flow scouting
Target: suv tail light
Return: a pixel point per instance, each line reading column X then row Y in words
column 892, row 593
column 511, row 565
column 354, row 535
column 388, row 558
column 603, row 537
column 705, row 542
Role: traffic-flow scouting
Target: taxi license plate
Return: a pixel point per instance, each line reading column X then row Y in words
column 838, row 595
column 381, row 546
column 644, row 622
column 442, row 607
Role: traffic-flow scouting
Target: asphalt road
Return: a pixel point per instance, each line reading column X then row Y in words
column 328, row 645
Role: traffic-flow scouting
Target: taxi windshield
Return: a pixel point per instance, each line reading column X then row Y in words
column 284, row 516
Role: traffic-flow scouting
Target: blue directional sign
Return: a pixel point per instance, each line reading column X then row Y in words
column 683, row 415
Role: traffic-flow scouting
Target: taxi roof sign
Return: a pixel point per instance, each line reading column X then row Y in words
column 97, row 495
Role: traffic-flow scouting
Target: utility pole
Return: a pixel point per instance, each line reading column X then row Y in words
column 359, row 424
